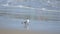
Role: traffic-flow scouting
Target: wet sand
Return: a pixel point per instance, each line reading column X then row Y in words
column 6, row 31
column 10, row 26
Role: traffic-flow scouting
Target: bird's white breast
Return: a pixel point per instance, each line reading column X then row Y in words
column 28, row 21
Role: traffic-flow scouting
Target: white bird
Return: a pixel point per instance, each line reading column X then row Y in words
column 26, row 23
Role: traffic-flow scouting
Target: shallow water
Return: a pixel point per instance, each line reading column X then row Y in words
column 13, row 23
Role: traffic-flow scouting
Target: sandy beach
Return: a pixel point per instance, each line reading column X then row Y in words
column 5, row 31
